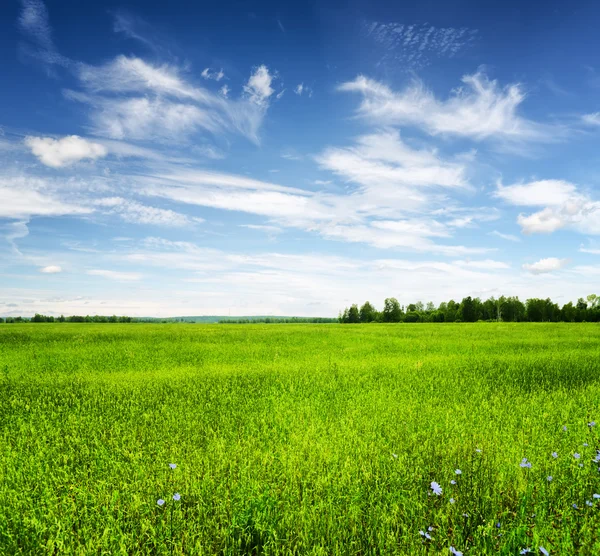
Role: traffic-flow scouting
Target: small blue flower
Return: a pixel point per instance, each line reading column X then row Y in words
column 525, row 463
column 575, row 506
column 452, row 500
column 549, row 478
column 585, row 444
column 588, row 503
column 455, row 552
column 478, row 450
column 525, row 551
column 554, row 455
column 176, row 497
column 160, row 502
column 458, row 472
column 592, row 424
column 426, row 535
column 576, row 455
column 596, row 496
column 581, row 465
column 452, row 482
column 498, row 525
column 565, row 428
column 173, row 465
column 395, row 456
column 437, row 489
column 544, row 551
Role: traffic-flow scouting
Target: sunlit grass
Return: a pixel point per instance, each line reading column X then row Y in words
column 299, row 439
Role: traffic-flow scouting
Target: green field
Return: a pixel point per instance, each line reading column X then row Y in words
column 299, row 439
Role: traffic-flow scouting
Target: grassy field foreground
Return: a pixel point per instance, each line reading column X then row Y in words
column 299, row 439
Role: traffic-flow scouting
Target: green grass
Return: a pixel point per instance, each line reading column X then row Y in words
column 284, row 436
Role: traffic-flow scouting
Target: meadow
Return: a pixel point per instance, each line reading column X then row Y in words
column 299, row 439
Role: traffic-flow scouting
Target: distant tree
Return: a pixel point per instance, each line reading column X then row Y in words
column 343, row 318
column 430, row 307
column 437, row 316
column 391, row 310
column 593, row 300
column 353, row 314
column 367, row 312
column 412, row 316
column 569, row 312
column 467, row 310
column 489, row 309
column 452, row 311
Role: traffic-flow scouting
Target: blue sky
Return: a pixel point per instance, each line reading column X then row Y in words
column 266, row 158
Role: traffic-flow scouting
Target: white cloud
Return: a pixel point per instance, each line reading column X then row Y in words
column 544, row 266
column 215, row 75
column 371, row 215
column 507, row 237
column 23, row 197
column 153, row 119
column 480, row 110
column 116, row 275
column 132, row 98
column 57, row 153
column 299, row 88
column 589, row 250
column 259, row 87
column 52, row 269
column 565, row 206
column 592, row 119
column 543, row 222
column 137, row 213
column 536, row 193
column 390, row 175
column 130, row 75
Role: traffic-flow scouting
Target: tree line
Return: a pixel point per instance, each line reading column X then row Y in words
column 507, row 309
column 73, row 318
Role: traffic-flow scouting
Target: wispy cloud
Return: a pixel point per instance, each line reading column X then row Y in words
column 35, row 25
column 507, row 237
column 302, row 89
column 480, row 110
column 116, row 275
column 214, row 75
column 22, row 197
column 34, row 21
column 137, row 213
column 592, row 119
column 414, row 46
